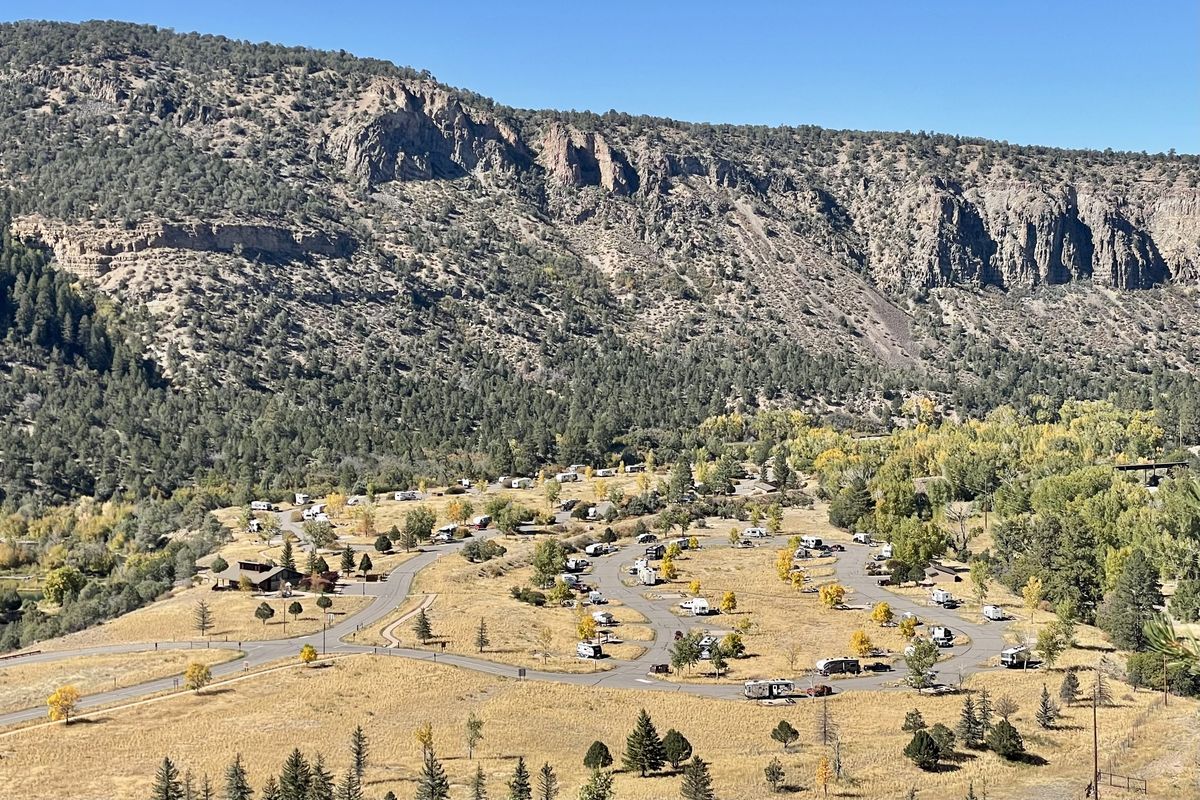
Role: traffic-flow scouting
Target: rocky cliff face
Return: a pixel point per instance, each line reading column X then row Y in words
column 89, row 250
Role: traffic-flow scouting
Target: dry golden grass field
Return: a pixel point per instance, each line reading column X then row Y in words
column 263, row 718
column 466, row 593
column 171, row 619
column 25, row 686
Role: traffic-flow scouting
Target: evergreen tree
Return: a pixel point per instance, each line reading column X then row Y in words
column 270, row 790
column 547, row 783
column 1068, row 690
column 676, row 748
column 365, row 564
column 349, row 788
column 643, row 748
column 598, row 787
column 774, row 775
column 1046, row 712
column 295, row 778
column 944, row 737
column 969, row 729
column 697, row 781
column 913, row 722
column 519, row 787
column 1131, row 604
column 202, row 618
column 347, row 564
column 481, row 636
column 983, row 712
column 288, row 558
column 167, row 785
column 433, row 783
column 479, row 785
column 785, row 734
column 1004, row 740
column 236, row 785
column 422, row 627
column 320, row 785
column 923, row 751
column 598, row 756
column 358, row 752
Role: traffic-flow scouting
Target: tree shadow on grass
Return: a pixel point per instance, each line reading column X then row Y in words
column 1032, row 759
column 216, row 691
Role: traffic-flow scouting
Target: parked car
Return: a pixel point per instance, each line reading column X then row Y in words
column 837, row 548
column 878, row 666
column 820, row 690
column 660, row 669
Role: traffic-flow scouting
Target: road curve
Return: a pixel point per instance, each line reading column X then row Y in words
column 986, row 638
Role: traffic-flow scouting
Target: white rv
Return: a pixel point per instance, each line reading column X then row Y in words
column 811, row 542
column 261, row 505
column 994, row 613
column 861, row 538
column 589, row 650
column 885, row 552
column 596, row 598
column 940, row 597
column 647, row 576
column 1014, row 657
column 596, row 549
column 406, row 495
column 522, row 483
column 566, row 477
column 755, row 533
column 301, row 498
column 697, row 605
column 942, row 636
column 481, row 522
column 570, row 580
column 603, row 617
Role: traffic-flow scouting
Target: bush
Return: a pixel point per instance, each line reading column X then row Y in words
column 1004, row 740
column 526, row 595
column 923, row 750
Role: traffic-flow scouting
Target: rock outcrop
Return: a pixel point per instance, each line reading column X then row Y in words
column 573, row 158
column 88, row 250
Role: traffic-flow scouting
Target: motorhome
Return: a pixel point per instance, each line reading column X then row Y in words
column 940, row 597
column 768, row 689
column 589, row 650
column 646, row 538
column 566, row 477
column 886, row 551
column 755, row 533
column 301, row 499
column 574, row 564
column 942, row 636
column 596, row 598
column 640, row 564
column 697, row 605
column 261, row 505
column 994, row 613
column 596, row 549
column 1015, row 657
column 811, row 542
column 861, row 538
column 837, row 666
column 607, row 472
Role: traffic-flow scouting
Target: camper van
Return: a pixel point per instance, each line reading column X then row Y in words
column 940, row 597
column 812, row 542
column 994, row 613
column 589, row 650
column 697, row 605
column 755, row 533
column 1015, row 657
column 301, row 499
column 261, row 505
column 836, row 666
column 481, row 522
column 768, row 689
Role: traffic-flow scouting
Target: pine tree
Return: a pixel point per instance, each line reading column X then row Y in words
column 785, row 734
column 547, row 783
column 349, row 788
column 202, row 618
column 1100, row 691
column 167, row 785
column 598, row 756
column 433, row 784
column 697, row 781
column 294, row 780
column 358, row 752
column 643, row 748
column 598, row 787
column 479, row 785
column 270, row 790
column 1068, row 690
column 519, row 787
column 968, row 728
column 481, row 636
column 1046, row 712
column 347, row 564
column 236, row 785
column 422, row 627
column 1004, row 740
column 676, row 748
column 983, row 712
column 913, row 722
column 774, row 775
column 971, row 791
column 288, row 558
column 320, row 785
column 923, row 751
column 474, row 733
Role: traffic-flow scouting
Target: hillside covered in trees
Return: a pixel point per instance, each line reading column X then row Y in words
column 264, row 267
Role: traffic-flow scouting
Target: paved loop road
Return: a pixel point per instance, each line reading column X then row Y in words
column 607, row 573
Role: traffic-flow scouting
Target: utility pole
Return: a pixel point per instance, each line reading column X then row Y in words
column 1164, row 680
column 1095, row 745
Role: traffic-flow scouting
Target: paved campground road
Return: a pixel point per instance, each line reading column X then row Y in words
column 986, row 639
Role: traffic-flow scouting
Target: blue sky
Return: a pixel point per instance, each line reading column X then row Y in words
column 1073, row 74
